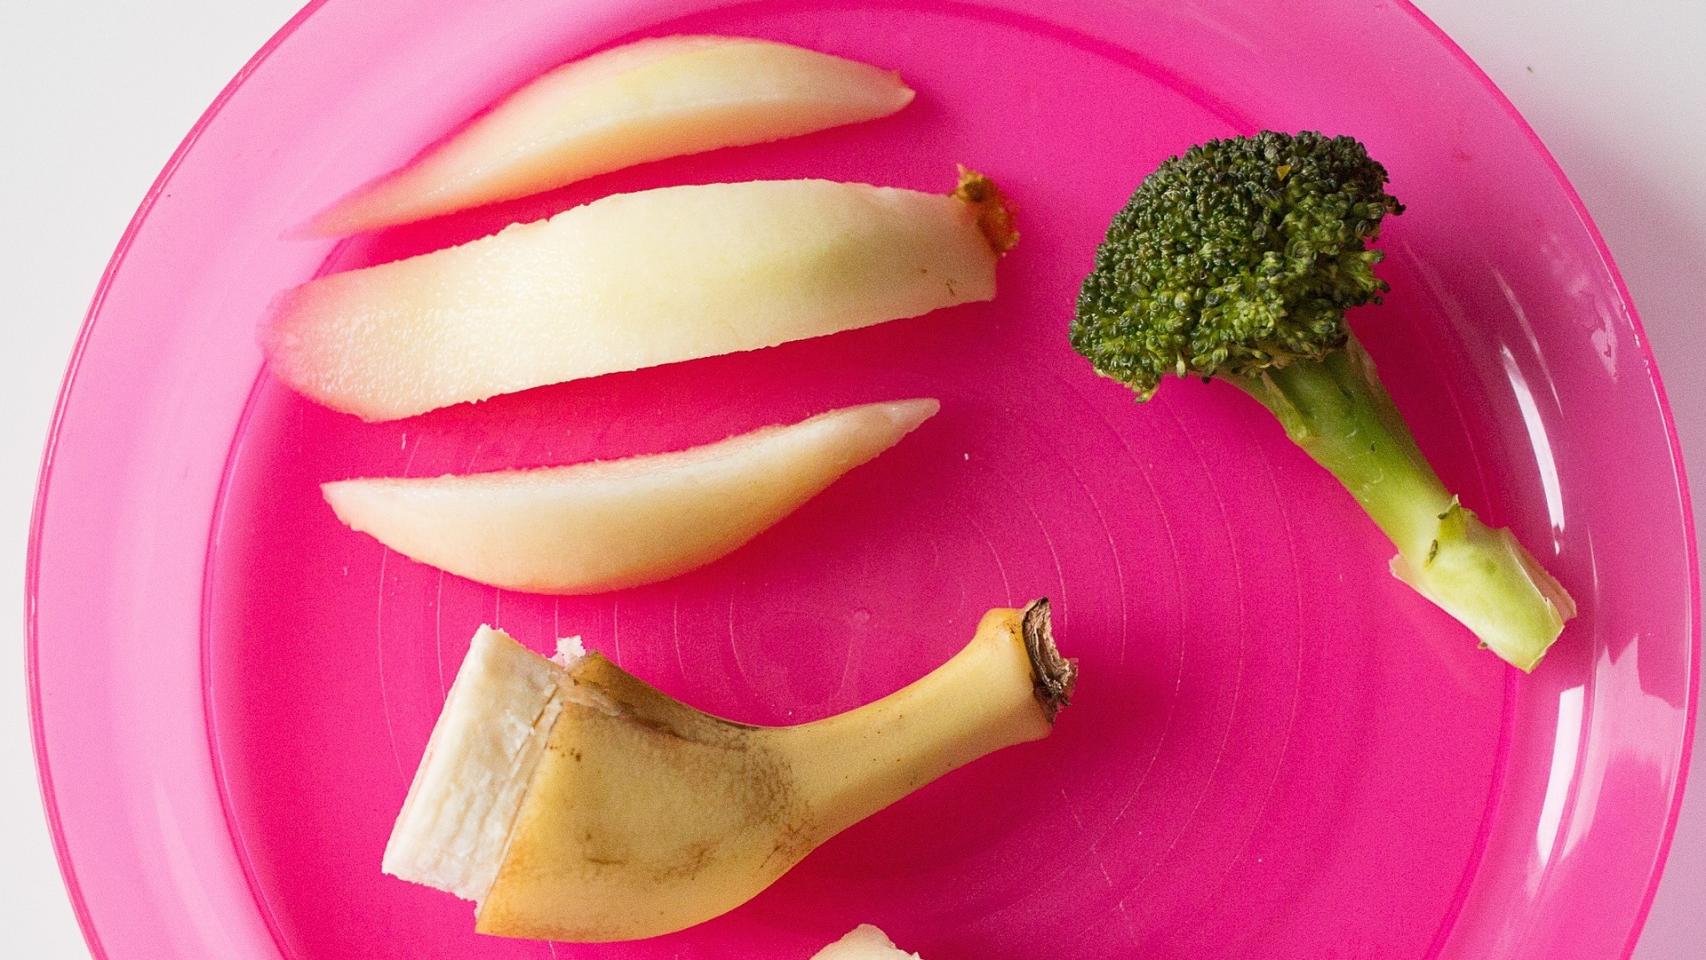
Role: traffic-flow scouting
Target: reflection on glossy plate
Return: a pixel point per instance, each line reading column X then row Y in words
column 1277, row 751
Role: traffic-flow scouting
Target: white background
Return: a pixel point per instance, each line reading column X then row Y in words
column 94, row 96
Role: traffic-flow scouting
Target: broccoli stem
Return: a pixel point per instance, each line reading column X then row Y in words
column 1338, row 412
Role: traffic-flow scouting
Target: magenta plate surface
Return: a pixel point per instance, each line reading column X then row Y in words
column 1277, row 751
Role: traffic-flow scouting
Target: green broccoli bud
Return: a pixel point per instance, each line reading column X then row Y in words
column 1237, row 256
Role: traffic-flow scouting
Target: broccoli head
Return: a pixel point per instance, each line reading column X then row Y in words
column 1239, row 255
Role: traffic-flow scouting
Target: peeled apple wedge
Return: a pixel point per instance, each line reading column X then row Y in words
column 630, row 281
column 609, row 524
column 645, row 101
column 596, row 808
column 864, row 942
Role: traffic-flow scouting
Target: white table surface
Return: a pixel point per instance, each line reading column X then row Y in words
column 96, row 94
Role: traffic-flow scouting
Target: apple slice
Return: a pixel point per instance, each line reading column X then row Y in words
column 629, row 281
column 648, row 100
column 609, row 524
column 864, row 942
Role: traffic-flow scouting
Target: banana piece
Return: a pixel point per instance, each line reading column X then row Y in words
column 642, row 815
column 864, row 942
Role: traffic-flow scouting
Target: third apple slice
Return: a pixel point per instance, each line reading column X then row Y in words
column 618, row 523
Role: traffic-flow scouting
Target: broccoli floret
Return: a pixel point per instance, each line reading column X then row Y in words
column 1236, row 256
column 1237, row 261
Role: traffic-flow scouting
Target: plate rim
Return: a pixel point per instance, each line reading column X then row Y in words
column 1678, row 467
column 32, row 563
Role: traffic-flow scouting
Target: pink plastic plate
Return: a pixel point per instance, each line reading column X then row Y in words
column 1277, row 751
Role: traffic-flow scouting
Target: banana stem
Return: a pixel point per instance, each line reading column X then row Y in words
column 1337, row 410
column 1053, row 677
column 1003, row 688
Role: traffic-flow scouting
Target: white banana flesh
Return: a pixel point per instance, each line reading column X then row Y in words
column 864, row 942
column 456, row 818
